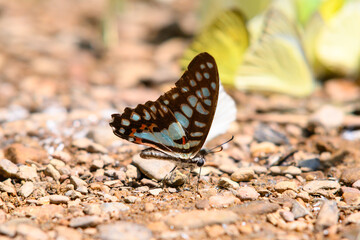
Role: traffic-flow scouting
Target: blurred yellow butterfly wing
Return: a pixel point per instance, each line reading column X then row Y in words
column 338, row 44
column 210, row 9
column 313, row 26
column 226, row 39
column 276, row 62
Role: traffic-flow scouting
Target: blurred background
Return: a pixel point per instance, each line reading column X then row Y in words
column 94, row 57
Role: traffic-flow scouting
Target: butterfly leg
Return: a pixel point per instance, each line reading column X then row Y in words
column 198, row 182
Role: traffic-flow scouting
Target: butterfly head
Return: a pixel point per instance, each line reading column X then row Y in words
column 199, row 159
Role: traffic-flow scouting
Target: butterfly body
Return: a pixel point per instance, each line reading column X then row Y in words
column 198, row 160
column 176, row 125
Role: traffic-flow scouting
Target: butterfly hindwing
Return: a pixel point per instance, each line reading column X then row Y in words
column 178, row 122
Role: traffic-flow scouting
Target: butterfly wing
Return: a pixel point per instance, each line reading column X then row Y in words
column 277, row 62
column 338, row 42
column 226, row 38
column 225, row 114
column 178, row 122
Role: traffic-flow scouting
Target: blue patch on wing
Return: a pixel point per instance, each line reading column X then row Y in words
column 199, row 124
column 147, row 115
column 187, row 110
column 205, row 92
column 166, row 136
column 192, row 100
column 201, row 109
column 182, row 119
column 175, row 131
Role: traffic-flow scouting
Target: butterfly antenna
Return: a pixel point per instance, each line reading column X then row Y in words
column 220, row 146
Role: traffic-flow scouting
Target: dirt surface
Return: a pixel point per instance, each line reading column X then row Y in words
column 291, row 172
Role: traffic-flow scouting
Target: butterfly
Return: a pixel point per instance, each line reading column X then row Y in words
column 177, row 124
column 277, row 61
column 338, row 41
column 264, row 53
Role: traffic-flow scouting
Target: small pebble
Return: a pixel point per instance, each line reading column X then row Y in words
column 321, row 116
column 149, row 207
column 243, row 175
column 77, row 182
column 156, row 191
column 327, row 216
column 214, row 231
column 82, row 189
column 51, row 171
column 353, row 218
column 132, row 172
column 350, row 175
column 27, row 173
column 202, row 204
column 92, row 209
column 7, row 188
column 322, row 187
column 150, row 183
column 351, row 198
column 299, row 210
column 114, row 207
column 153, row 168
column 227, row 183
column 84, row 222
column 96, row 164
column 26, row 189
column 285, row 185
column 247, row 193
column 58, row 199
column 8, row 168
column 289, row 194
column 228, row 168
column 262, row 149
column 356, row 184
column 304, row 196
column 283, row 170
column 222, row 201
column 259, row 169
column 131, row 199
column 287, row 216
column 58, row 164
column 18, row 153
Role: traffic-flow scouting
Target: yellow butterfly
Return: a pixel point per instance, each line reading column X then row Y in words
column 276, row 61
column 338, row 42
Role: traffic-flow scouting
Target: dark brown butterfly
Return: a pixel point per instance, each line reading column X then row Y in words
column 176, row 125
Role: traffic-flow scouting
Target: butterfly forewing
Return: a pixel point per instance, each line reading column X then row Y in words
column 178, row 122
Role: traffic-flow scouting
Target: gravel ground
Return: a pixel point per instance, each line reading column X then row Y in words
column 291, row 172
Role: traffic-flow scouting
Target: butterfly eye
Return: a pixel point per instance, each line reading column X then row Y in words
column 201, row 162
